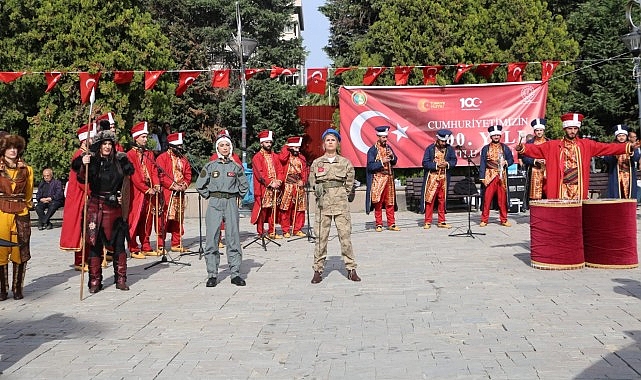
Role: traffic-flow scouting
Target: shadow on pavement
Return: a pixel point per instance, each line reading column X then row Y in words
column 622, row 364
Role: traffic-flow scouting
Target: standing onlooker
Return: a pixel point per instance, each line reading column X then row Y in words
column 495, row 158
column 49, row 197
column 438, row 159
column 224, row 192
column 381, row 190
column 332, row 178
column 163, row 136
column 16, row 185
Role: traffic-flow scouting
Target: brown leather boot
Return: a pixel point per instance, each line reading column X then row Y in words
column 317, row 277
column 18, row 280
column 351, row 275
column 120, row 271
column 4, row 282
column 95, row 274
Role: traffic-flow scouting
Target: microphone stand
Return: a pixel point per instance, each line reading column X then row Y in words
column 469, row 232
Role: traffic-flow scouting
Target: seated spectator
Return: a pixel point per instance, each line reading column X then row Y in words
column 49, row 197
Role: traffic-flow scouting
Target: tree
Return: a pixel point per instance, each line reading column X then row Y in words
column 602, row 89
column 200, row 31
column 467, row 31
column 71, row 36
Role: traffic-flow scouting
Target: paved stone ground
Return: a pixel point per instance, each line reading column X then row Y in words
column 429, row 307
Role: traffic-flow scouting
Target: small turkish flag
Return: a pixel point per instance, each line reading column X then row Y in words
column 52, row 80
column 251, row 72
column 88, row 82
column 151, row 77
column 515, row 71
column 461, row 69
column 547, row 68
column 429, row 74
column 486, row 69
column 402, row 74
column 341, row 70
column 10, row 76
column 317, row 81
column 220, row 78
column 185, row 79
column 276, row 72
column 371, row 74
column 123, row 77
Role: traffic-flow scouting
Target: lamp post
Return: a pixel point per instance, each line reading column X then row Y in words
column 244, row 48
column 633, row 42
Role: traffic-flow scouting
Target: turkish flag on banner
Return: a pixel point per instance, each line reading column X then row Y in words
column 185, row 79
column 52, row 79
column 275, row 72
column 547, row 68
column 123, row 77
column 461, row 69
column 415, row 114
column 10, row 76
column 371, row 74
column 151, row 77
column 341, row 70
column 486, row 69
column 220, row 78
column 515, row 71
column 251, row 72
column 402, row 74
column 429, row 74
column 88, row 82
column 317, row 81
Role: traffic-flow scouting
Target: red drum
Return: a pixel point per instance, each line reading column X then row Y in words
column 555, row 234
column 610, row 233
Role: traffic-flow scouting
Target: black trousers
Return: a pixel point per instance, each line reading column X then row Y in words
column 46, row 210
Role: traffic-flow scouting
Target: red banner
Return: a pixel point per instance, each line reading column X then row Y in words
column 415, row 114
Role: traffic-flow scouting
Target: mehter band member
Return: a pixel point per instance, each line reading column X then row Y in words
column 495, row 158
column 175, row 176
column 536, row 166
column 268, row 178
column 622, row 169
column 105, row 225
column 16, row 191
column 438, row 159
column 567, row 161
column 381, row 190
column 292, row 205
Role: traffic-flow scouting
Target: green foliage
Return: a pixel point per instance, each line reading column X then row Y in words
column 71, row 36
column 605, row 93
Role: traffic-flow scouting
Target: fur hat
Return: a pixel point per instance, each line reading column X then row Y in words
column 101, row 137
column 14, row 141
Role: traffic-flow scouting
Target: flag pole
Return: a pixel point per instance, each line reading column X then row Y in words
column 92, row 99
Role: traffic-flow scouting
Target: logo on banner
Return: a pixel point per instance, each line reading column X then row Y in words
column 359, row 98
column 528, row 94
column 470, row 104
column 357, row 125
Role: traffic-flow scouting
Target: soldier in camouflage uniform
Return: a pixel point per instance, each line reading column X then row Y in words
column 223, row 182
column 332, row 178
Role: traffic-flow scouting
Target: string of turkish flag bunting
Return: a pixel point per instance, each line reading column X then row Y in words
column 316, row 77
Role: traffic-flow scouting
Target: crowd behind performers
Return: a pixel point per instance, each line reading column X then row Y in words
column 134, row 195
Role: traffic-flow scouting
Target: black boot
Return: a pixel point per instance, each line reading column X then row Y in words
column 120, row 271
column 95, row 274
column 18, row 280
column 4, row 282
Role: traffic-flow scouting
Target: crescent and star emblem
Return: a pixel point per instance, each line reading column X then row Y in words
column 189, row 80
column 357, row 125
column 89, row 82
column 516, row 72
